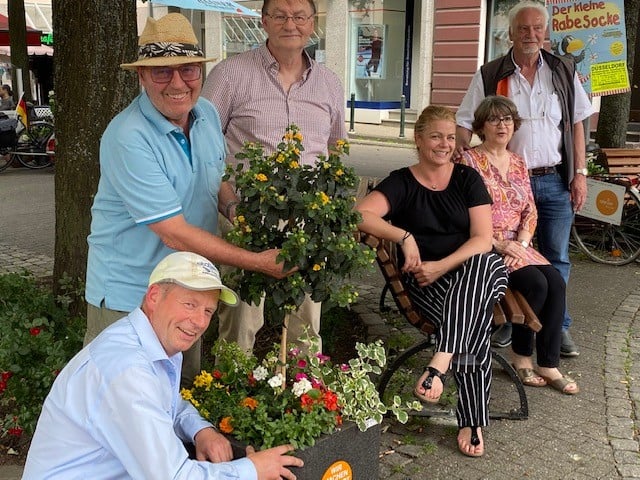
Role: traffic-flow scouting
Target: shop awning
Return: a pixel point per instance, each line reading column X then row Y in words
column 33, row 35
column 31, row 50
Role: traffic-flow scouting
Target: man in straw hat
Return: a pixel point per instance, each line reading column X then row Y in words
column 115, row 410
column 160, row 190
column 257, row 94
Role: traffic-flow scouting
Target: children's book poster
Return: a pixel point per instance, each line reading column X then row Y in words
column 593, row 35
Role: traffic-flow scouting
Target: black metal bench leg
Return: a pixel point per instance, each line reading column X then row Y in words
column 521, row 414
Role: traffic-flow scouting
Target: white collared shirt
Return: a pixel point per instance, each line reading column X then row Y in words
column 539, row 138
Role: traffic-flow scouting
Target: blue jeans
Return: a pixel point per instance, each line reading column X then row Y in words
column 555, row 216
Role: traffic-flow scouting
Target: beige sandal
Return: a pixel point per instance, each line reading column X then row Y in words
column 529, row 377
column 561, row 384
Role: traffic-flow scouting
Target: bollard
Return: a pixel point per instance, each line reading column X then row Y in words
column 352, row 118
column 403, row 99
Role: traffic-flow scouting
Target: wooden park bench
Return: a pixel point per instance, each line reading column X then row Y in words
column 513, row 307
column 621, row 161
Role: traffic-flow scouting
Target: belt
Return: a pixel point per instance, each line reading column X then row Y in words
column 536, row 172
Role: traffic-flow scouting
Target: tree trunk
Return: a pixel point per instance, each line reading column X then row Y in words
column 614, row 109
column 93, row 38
column 19, row 53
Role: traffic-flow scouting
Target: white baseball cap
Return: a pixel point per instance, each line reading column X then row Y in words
column 193, row 272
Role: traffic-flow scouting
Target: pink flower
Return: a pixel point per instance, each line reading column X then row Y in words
column 294, row 352
column 35, row 331
column 322, row 357
column 344, row 367
column 302, row 363
column 301, row 376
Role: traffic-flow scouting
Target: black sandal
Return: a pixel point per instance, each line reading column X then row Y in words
column 474, row 441
column 427, row 383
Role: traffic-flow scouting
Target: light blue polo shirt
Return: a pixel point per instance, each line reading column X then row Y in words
column 147, row 175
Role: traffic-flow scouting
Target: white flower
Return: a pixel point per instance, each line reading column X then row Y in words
column 276, row 381
column 301, row 386
column 260, row 373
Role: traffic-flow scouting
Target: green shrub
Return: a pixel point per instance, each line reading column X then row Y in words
column 39, row 337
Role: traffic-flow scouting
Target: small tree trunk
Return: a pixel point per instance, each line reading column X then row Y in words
column 614, row 109
column 19, row 53
column 283, row 347
column 93, row 38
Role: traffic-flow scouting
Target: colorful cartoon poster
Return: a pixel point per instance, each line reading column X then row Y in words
column 370, row 60
column 593, row 34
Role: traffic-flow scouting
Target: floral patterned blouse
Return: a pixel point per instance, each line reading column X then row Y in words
column 513, row 207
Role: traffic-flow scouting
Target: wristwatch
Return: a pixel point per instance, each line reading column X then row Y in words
column 524, row 243
column 582, row 171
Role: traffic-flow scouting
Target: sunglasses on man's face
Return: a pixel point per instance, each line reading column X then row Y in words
column 188, row 73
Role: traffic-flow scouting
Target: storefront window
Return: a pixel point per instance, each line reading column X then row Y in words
column 377, row 31
column 244, row 33
column 498, row 42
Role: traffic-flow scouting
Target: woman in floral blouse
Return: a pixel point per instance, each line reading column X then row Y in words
column 514, row 221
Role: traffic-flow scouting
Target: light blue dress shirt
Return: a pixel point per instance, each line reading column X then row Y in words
column 115, row 412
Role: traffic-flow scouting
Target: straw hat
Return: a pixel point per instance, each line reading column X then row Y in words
column 169, row 40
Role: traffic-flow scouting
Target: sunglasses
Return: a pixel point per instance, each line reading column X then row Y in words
column 188, row 73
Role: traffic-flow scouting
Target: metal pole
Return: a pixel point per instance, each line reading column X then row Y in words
column 20, row 88
column 403, row 100
column 352, row 116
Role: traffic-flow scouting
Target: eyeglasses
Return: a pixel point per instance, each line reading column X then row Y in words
column 282, row 19
column 495, row 121
column 188, row 73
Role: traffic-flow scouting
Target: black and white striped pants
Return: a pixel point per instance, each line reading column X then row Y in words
column 460, row 305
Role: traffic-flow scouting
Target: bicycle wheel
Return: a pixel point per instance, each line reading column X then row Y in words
column 611, row 244
column 6, row 160
column 34, row 158
column 32, row 145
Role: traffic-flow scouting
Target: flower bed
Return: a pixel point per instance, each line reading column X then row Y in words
column 255, row 403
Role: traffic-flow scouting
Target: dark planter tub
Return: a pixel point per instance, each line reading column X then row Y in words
column 347, row 454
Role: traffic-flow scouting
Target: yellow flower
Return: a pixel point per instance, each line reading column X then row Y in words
column 316, row 267
column 296, row 151
column 280, row 158
column 203, row 380
column 240, row 218
column 186, row 394
column 339, row 172
column 324, row 198
column 225, row 425
column 298, row 136
column 294, row 164
column 341, row 143
column 314, row 206
column 261, row 177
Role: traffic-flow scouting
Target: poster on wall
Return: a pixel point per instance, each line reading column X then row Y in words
column 370, row 58
column 593, row 35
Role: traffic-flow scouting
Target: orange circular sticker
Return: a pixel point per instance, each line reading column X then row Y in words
column 340, row 470
column 607, row 202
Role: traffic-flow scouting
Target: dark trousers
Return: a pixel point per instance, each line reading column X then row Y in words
column 545, row 290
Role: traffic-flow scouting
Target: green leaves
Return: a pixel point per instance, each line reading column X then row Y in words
column 38, row 338
column 307, row 212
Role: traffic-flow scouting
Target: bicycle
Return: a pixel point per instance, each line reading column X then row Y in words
column 605, row 242
column 29, row 147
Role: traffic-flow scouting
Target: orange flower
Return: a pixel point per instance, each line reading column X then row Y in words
column 331, row 401
column 225, row 425
column 250, row 403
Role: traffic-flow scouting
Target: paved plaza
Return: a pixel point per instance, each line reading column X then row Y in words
column 589, row 436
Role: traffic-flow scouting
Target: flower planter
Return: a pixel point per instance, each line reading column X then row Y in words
column 347, row 454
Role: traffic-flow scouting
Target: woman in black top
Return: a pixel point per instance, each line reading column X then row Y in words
column 439, row 213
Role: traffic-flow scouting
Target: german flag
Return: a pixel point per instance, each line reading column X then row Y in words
column 21, row 112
